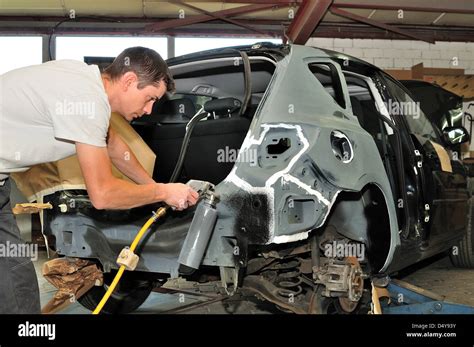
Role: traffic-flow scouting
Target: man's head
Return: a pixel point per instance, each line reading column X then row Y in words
column 135, row 80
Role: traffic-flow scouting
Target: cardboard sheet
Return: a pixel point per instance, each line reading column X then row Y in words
column 72, row 277
column 45, row 179
column 443, row 156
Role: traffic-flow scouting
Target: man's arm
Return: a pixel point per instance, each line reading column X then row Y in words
column 124, row 159
column 107, row 191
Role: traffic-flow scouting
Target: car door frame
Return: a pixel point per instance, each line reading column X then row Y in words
column 385, row 117
column 431, row 240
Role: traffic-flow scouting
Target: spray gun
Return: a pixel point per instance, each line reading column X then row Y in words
column 200, row 230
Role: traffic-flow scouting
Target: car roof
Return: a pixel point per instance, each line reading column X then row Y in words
column 277, row 51
column 265, row 48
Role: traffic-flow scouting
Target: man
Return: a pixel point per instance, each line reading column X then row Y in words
column 59, row 108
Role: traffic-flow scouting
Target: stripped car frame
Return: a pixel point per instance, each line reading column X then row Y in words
column 324, row 205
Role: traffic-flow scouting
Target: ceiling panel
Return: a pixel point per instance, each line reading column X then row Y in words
column 22, row 7
column 455, row 19
column 405, row 18
column 329, row 17
column 105, row 7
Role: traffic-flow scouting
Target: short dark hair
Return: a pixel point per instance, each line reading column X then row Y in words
column 146, row 63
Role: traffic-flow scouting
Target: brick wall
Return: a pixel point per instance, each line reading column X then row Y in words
column 403, row 54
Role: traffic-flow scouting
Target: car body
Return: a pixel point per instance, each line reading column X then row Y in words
column 441, row 106
column 322, row 182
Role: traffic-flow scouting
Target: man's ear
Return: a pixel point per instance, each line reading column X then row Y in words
column 128, row 79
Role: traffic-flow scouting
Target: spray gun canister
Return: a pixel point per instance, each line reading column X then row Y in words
column 199, row 234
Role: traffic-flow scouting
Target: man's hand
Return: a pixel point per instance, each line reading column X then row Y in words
column 179, row 196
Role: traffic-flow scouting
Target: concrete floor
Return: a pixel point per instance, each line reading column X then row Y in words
column 436, row 274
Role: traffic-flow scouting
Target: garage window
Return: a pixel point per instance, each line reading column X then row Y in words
column 19, row 52
column 79, row 47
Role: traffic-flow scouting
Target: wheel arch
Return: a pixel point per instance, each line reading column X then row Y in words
column 363, row 216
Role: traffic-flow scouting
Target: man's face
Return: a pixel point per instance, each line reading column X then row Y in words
column 136, row 102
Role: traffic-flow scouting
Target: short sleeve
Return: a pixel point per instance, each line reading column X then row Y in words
column 83, row 118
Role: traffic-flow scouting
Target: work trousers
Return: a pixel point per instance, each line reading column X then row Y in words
column 19, row 291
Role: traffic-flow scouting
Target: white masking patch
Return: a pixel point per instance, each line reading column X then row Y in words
column 268, row 189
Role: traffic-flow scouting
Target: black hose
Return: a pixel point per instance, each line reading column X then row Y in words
column 184, row 145
column 189, row 128
column 247, row 81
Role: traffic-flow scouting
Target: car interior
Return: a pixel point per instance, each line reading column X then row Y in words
column 223, row 129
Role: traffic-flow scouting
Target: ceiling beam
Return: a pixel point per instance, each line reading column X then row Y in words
column 188, row 20
column 309, row 15
column 468, row 10
column 225, row 19
column 353, row 30
column 341, row 13
column 275, row 2
column 331, row 30
column 53, row 20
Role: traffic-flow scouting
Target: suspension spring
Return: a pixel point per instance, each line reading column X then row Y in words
column 289, row 279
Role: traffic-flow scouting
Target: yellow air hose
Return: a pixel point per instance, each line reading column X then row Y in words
column 156, row 215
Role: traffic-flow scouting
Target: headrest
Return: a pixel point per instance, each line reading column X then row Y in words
column 222, row 106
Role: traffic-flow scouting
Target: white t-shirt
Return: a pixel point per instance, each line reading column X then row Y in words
column 45, row 109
